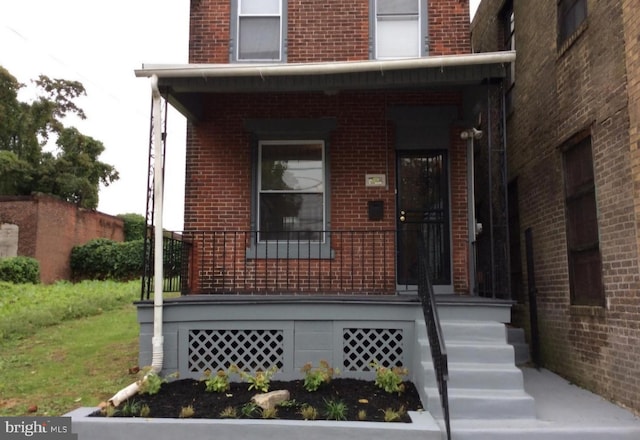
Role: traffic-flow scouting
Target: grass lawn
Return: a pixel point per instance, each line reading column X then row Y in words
column 78, row 362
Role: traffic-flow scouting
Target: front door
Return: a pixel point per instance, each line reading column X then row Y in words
column 423, row 204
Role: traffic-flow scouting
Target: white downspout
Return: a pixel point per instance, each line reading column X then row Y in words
column 157, row 341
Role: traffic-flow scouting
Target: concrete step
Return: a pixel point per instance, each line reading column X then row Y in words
column 517, row 338
column 480, row 376
column 480, row 352
column 484, row 404
column 488, row 353
column 472, row 331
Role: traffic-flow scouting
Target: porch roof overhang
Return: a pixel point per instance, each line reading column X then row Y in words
column 184, row 86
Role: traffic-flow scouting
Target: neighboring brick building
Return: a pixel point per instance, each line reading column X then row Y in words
column 300, row 115
column 573, row 136
column 48, row 228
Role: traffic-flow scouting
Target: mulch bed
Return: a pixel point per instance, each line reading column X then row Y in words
column 356, row 394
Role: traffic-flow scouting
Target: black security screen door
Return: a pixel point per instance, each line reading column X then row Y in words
column 423, row 204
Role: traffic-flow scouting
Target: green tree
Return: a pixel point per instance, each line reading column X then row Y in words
column 72, row 170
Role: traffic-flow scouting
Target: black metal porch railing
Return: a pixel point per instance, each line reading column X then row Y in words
column 434, row 330
column 176, row 253
column 248, row 262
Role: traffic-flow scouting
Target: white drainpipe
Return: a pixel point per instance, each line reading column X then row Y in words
column 157, row 341
column 158, row 188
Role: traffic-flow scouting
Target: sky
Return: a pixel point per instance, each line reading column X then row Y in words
column 100, row 44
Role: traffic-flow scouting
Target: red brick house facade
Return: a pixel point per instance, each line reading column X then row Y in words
column 573, row 132
column 365, row 101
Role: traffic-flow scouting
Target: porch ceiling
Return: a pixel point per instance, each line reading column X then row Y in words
column 185, row 85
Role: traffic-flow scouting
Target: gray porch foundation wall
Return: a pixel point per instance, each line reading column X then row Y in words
column 212, row 332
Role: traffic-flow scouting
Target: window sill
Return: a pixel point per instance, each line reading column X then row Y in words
column 290, row 251
column 587, row 311
column 566, row 44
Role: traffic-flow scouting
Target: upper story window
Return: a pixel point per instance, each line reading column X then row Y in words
column 398, row 27
column 258, row 29
column 571, row 14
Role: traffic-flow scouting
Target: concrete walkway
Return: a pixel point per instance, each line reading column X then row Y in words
column 564, row 412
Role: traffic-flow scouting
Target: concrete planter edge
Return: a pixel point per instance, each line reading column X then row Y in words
column 115, row 428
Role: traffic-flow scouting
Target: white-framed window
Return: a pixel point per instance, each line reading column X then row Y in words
column 258, row 30
column 291, row 191
column 399, row 26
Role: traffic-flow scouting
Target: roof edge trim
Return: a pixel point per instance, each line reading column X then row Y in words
column 292, row 69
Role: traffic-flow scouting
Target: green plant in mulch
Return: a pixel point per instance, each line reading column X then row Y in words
column 130, row 408
column 309, row 412
column 259, row 381
column 249, row 410
column 229, row 412
column 336, row 410
column 394, row 415
column 218, row 383
column 186, row 412
column 390, row 379
column 314, row 377
column 150, row 383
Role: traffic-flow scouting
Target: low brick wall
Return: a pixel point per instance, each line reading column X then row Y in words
column 49, row 228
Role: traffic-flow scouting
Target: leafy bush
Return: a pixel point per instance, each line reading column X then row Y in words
column 314, row 377
column 20, row 270
column 134, row 226
column 390, row 379
column 101, row 259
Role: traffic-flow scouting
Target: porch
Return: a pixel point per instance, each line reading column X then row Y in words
column 489, row 396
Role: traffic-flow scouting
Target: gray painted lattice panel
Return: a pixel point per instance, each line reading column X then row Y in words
column 250, row 350
column 361, row 346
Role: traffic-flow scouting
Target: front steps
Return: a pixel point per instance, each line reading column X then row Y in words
column 492, row 399
column 484, row 382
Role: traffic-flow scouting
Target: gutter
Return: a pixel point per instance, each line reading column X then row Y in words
column 330, row 68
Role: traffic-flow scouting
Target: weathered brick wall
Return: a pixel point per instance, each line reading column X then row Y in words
column 559, row 92
column 329, row 30
column 631, row 14
column 218, row 180
column 209, row 31
column 449, row 27
column 49, row 228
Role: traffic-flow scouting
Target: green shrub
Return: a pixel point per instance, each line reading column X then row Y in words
column 101, row 259
column 130, row 260
column 20, row 270
column 134, row 226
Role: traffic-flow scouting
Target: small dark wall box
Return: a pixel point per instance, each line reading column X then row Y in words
column 375, row 209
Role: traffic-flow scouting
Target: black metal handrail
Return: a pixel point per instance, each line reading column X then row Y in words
column 434, row 330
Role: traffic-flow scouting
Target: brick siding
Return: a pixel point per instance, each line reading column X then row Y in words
column 589, row 83
column 328, row 30
column 218, row 180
